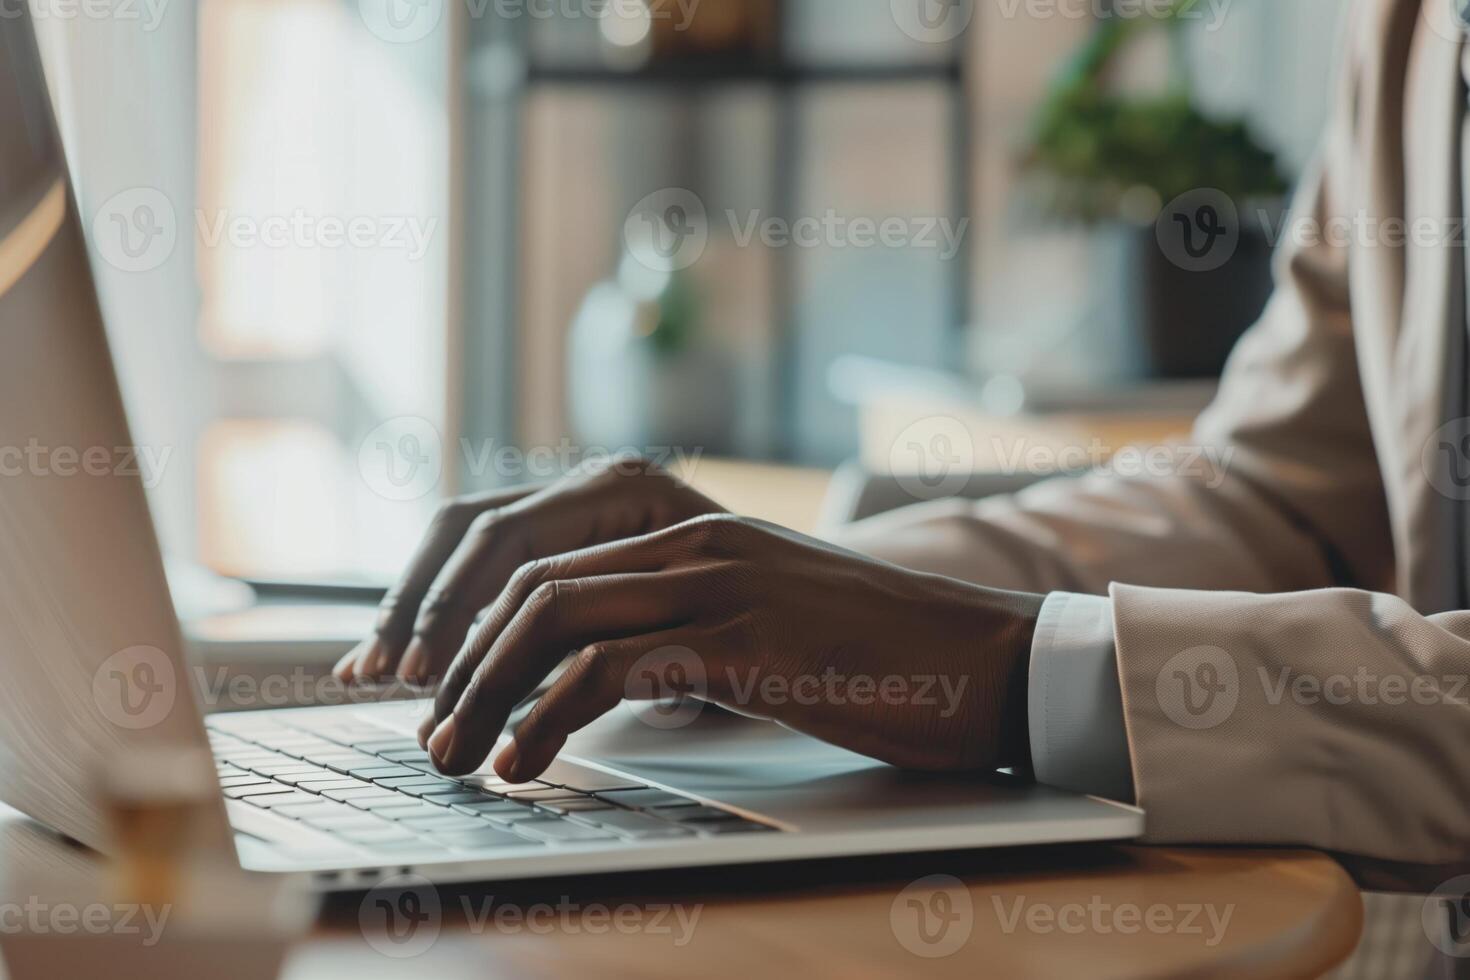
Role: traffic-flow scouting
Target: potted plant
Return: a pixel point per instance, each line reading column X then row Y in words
column 1105, row 160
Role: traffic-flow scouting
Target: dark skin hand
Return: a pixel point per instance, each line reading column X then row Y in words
column 916, row 670
column 475, row 545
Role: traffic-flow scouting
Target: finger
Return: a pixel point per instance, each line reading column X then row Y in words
column 649, row 553
column 596, row 682
column 379, row 655
column 575, row 514
column 558, row 617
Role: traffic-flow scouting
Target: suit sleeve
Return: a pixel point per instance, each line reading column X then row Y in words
column 1274, row 690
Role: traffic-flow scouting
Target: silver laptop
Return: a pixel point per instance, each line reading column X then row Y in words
column 94, row 667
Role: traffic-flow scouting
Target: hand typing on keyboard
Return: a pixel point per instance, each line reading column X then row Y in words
column 917, row 670
column 475, row 545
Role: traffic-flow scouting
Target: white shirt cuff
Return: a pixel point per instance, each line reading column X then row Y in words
column 1078, row 739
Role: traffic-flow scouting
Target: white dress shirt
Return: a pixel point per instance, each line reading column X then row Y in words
column 1078, row 738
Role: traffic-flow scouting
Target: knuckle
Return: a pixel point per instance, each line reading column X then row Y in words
column 594, row 665
column 721, row 534
column 484, row 523
column 527, row 578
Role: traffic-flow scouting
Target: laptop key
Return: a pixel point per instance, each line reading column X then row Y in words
column 561, row 831
column 646, row 798
column 256, row 789
column 281, row 799
column 366, row 790
column 306, row 811
column 415, row 754
column 444, row 823
column 381, row 745
column 229, row 782
column 471, row 840
column 403, row 809
column 487, row 808
column 448, row 799
column 322, row 785
column 548, row 793
column 634, row 825
column 374, row 835
column 417, row 779
column 598, row 782
column 305, row 775
column 574, row 806
column 352, row 820
column 380, row 770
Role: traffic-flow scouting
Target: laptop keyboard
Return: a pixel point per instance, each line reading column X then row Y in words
column 376, row 789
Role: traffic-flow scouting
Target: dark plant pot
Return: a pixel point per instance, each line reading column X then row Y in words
column 1187, row 322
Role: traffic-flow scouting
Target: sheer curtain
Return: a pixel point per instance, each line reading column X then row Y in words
column 124, row 96
column 220, row 150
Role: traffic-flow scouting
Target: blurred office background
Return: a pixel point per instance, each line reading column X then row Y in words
column 520, row 135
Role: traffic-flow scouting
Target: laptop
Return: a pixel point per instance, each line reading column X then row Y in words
column 95, row 669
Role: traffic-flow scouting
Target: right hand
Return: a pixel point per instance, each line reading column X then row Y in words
column 475, row 544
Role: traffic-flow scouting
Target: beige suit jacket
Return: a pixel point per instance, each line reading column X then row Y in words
column 1322, row 551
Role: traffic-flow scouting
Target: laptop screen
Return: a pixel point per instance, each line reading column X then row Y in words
column 90, row 650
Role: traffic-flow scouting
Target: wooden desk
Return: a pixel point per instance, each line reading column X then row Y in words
column 1041, row 912
column 1049, row 913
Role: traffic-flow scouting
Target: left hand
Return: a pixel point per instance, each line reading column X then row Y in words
column 917, row 670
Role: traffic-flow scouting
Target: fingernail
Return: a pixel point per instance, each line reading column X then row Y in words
column 442, row 741
column 426, row 729
column 505, row 763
